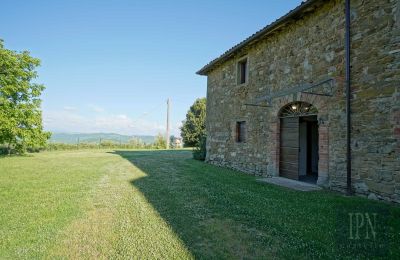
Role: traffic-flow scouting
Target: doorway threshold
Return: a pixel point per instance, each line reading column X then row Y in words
column 291, row 184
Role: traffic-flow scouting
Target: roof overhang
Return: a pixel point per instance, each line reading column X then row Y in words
column 301, row 10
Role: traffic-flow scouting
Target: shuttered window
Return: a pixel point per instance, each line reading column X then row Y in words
column 240, row 131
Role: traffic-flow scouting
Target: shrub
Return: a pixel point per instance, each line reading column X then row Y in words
column 3, row 150
column 199, row 152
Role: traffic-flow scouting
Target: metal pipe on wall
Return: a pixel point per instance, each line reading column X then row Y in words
column 348, row 98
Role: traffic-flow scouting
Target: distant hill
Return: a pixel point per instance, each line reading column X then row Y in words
column 72, row 138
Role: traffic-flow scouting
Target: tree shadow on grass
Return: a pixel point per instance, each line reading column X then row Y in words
column 221, row 213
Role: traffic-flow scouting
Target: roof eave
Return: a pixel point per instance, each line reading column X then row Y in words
column 263, row 32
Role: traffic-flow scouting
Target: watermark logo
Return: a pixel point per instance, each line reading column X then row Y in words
column 363, row 231
column 362, row 225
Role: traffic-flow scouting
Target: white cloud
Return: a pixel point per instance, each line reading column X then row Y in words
column 71, row 121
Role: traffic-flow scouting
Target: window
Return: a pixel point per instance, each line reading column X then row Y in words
column 240, row 131
column 242, row 71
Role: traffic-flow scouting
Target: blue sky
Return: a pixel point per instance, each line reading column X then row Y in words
column 109, row 66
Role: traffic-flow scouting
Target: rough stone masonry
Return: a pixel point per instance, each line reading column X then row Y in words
column 307, row 46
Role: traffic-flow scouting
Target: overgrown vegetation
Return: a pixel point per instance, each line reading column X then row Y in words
column 20, row 115
column 165, row 205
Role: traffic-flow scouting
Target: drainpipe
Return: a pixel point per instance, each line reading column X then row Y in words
column 348, row 98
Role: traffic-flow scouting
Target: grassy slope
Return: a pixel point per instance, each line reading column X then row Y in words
column 95, row 204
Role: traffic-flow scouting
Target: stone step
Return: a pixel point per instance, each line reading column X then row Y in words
column 291, row 184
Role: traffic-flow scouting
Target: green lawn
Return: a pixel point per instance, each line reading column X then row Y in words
column 163, row 204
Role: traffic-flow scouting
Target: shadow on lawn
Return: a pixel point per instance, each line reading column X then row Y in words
column 220, row 213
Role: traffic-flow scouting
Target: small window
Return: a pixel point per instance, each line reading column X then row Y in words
column 242, row 71
column 241, row 131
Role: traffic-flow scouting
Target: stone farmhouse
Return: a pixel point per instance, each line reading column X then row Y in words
column 315, row 97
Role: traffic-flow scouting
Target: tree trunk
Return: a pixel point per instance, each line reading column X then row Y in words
column 9, row 149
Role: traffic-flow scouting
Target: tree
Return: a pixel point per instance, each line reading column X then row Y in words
column 194, row 127
column 159, row 142
column 20, row 115
column 200, row 151
column 171, row 142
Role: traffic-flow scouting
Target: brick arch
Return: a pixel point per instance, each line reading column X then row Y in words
column 320, row 103
column 309, row 106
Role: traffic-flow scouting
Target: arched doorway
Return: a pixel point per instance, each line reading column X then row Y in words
column 298, row 158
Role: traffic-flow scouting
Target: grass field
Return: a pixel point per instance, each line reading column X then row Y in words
column 163, row 204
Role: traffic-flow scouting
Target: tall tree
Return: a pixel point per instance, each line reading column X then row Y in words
column 193, row 129
column 20, row 115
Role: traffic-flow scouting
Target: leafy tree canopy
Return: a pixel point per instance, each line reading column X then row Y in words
column 20, row 114
column 194, row 128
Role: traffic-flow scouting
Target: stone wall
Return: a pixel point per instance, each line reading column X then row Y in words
column 375, row 101
column 308, row 50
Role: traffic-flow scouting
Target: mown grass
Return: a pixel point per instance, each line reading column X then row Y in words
column 163, row 204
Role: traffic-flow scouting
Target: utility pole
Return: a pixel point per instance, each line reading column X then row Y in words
column 168, row 104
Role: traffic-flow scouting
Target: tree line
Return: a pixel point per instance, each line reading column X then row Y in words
column 135, row 143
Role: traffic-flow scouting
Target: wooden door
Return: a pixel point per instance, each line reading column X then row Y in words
column 289, row 148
